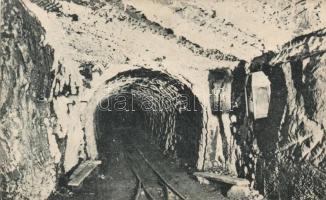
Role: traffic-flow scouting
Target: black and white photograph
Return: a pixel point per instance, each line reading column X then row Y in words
column 162, row 99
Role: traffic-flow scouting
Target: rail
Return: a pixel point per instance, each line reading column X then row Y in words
column 141, row 185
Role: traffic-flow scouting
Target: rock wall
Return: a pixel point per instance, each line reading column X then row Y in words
column 27, row 170
column 291, row 141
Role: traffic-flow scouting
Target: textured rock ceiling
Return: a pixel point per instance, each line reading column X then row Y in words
column 242, row 28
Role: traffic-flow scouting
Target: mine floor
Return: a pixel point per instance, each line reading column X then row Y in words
column 136, row 169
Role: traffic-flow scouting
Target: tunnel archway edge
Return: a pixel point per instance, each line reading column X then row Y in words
column 108, row 85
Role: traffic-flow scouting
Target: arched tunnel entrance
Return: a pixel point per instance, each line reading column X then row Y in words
column 147, row 128
column 150, row 107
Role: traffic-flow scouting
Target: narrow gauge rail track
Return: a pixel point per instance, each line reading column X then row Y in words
column 149, row 180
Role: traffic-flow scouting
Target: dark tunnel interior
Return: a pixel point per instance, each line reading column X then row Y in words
column 172, row 124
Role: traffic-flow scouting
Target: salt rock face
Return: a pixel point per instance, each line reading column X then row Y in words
column 239, row 192
column 243, row 193
column 293, row 140
column 26, row 167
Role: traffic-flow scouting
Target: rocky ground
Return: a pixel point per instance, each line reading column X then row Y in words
column 116, row 180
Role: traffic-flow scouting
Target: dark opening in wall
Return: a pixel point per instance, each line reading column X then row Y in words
column 267, row 133
column 150, row 107
column 220, row 81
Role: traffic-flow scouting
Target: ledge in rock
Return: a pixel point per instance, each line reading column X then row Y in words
column 223, row 178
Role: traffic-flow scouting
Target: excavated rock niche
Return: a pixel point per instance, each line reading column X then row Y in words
column 160, row 107
column 283, row 153
column 290, row 151
column 228, row 107
column 27, row 170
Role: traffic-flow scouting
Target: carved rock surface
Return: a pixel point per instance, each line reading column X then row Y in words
column 292, row 140
column 26, row 166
